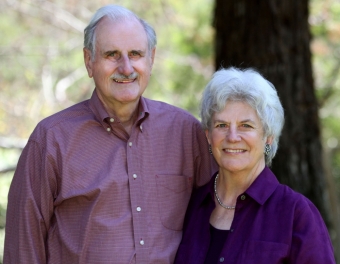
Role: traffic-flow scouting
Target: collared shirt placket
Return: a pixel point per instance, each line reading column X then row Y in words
column 240, row 211
column 138, row 206
column 138, row 209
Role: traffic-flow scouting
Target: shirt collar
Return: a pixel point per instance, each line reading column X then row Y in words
column 260, row 190
column 143, row 110
column 99, row 111
column 263, row 186
column 207, row 191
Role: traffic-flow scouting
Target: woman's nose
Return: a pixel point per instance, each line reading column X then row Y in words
column 233, row 134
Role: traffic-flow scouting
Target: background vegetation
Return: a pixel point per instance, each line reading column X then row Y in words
column 42, row 71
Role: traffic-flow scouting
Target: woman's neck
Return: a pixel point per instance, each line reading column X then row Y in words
column 231, row 184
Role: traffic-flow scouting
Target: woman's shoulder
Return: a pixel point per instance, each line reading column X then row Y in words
column 200, row 198
column 199, row 193
column 309, row 230
column 287, row 197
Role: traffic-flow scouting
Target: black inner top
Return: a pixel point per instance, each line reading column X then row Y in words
column 217, row 240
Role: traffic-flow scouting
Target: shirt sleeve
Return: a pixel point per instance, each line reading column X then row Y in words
column 205, row 164
column 30, row 207
column 311, row 243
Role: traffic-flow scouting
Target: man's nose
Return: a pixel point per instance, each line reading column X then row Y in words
column 125, row 66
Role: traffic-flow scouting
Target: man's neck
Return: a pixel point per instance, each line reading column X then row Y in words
column 127, row 113
column 127, row 116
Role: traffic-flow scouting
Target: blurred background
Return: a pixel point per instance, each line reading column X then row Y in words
column 42, row 71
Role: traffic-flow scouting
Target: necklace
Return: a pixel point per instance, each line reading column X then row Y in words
column 218, row 198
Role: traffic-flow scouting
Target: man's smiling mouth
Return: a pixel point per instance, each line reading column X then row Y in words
column 124, row 80
column 121, row 78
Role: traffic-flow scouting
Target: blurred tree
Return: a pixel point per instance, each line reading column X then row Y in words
column 274, row 37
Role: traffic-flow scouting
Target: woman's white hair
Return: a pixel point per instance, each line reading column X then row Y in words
column 116, row 13
column 249, row 86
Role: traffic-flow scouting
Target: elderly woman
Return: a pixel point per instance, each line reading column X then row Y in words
column 244, row 215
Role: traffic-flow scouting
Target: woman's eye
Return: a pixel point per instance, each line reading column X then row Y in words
column 246, row 126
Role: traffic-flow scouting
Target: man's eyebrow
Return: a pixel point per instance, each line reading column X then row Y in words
column 143, row 52
column 109, row 52
column 139, row 51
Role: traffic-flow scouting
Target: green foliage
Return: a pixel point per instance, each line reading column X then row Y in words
column 43, row 49
column 325, row 27
column 5, row 180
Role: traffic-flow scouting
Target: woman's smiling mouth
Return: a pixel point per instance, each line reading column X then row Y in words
column 234, row 150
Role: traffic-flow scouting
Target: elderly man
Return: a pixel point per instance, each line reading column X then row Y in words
column 108, row 180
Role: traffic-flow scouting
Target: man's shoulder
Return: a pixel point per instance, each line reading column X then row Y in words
column 62, row 117
column 162, row 108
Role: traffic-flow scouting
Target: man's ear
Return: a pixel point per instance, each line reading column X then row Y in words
column 88, row 61
column 153, row 52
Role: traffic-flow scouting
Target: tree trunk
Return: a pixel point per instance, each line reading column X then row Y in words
column 273, row 37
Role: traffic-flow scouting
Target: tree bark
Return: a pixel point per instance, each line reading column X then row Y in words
column 274, row 38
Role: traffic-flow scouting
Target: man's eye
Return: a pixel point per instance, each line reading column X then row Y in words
column 113, row 54
column 221, row 125
column 134, row 54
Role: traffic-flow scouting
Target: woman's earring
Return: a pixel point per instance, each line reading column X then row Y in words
column 267, row 149
column 210, row 151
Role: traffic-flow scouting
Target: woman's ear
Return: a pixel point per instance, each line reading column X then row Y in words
column 270, row 140
column 207, row 134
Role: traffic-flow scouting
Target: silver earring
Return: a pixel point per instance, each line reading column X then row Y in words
column 210, row 151
column 267, row 149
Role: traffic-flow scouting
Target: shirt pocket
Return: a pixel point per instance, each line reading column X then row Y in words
column 264, row 252
column 173, row 194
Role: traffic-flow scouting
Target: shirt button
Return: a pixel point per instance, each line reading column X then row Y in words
column 139, row 209
column 130, row 144
column 243, row 197
column 108, row 129
column 112, row 120
column 134, row 176
column 141, row 242
column 231, row 230
column 222, row 259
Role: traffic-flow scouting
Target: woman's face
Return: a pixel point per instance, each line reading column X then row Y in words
column 237, row 139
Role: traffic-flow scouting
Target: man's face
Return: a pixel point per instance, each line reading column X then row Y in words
column 122, row 63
